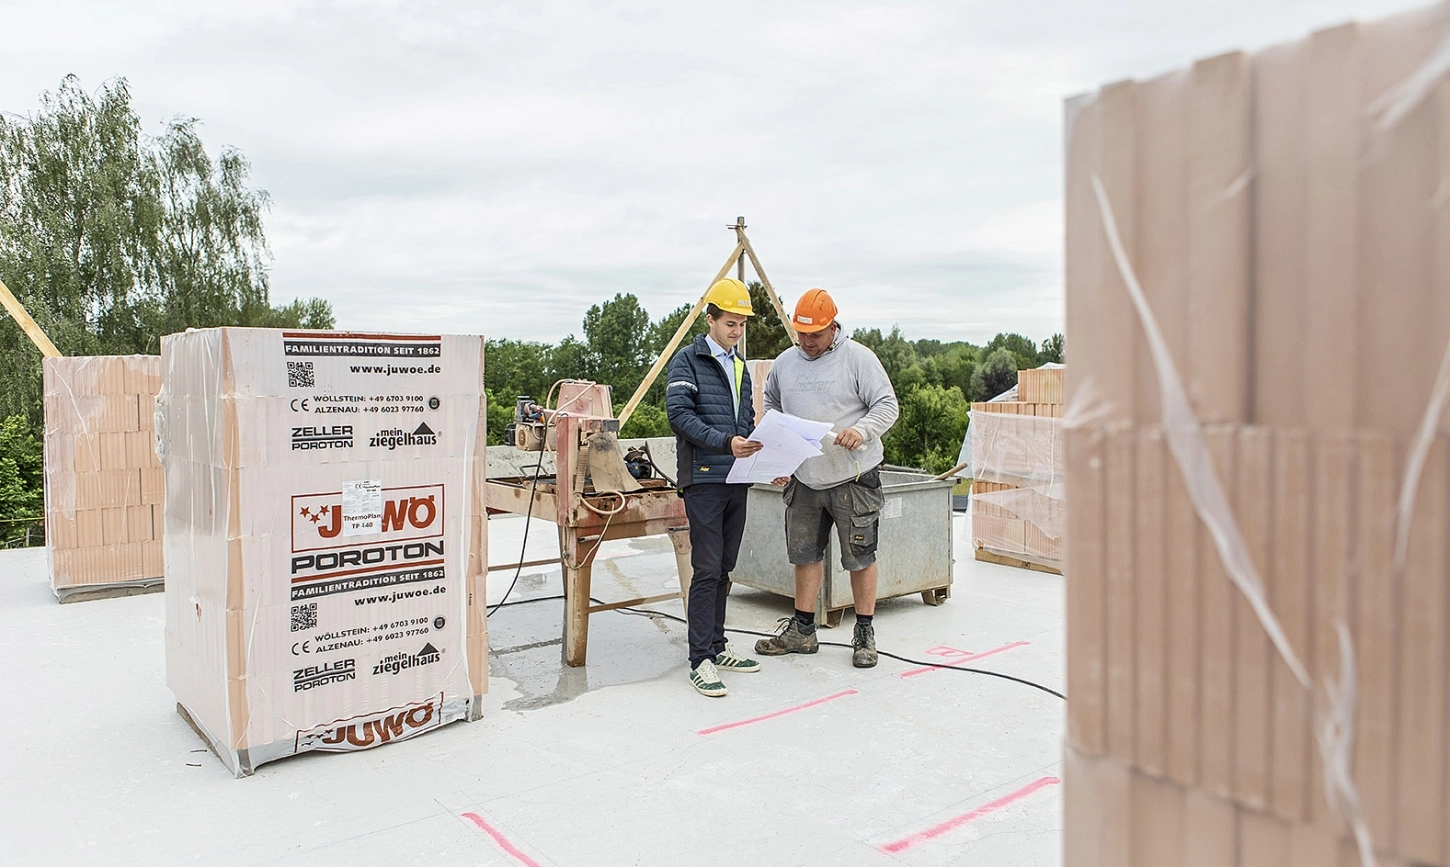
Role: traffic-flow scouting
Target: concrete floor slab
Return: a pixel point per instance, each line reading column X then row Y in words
column 809, row 762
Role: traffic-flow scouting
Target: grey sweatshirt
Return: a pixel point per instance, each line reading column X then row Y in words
column 846, row 386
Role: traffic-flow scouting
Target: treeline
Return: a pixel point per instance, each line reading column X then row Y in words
column 935, row 381
column 110, row 239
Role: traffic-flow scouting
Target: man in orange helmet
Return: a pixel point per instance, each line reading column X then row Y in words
column 831, row 378
column 708, row 398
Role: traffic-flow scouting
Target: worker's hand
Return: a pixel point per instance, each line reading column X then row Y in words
column 741, row 447
column 781, row 481
column 850, row 439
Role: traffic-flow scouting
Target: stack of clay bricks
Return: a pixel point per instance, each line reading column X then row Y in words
column 759, row 370
column 1041, row 386
column 103, row 483
column 1286, row 215
column 1017, row 469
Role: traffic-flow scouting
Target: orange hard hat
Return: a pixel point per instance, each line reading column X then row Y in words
column 814, row 311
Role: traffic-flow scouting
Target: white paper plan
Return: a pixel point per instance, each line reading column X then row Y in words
column 788, row 440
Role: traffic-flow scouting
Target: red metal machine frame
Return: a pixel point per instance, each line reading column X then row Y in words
column 586, row 518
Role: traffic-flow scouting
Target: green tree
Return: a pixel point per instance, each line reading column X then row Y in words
column 952, row 368
column 928, row 434
column 79, row 217
column 616, row 354
column 211, row 260
column 665, row 327
column 111, row 239
column 660, row 333
column 897, row 356
column 765, row 336
column 996, row 374
column 514, row 367
column 870, row 338
column 314, row 313
column 647, row 420
column 928, row 348
column 1053, row 350
column 568, row 360
column 1024, row 351
column 21, row 470
column 499, row 415
column 896, row 353
column 913, row 377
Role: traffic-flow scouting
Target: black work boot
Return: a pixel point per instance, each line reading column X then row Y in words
column 788, row 639
column 863, row 646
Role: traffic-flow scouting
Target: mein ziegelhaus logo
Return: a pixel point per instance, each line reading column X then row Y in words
column 395, row 437
column 403, row 661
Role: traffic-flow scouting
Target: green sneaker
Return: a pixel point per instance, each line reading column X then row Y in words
column 863, row 646
column 706, row 680
column 788, row 639
column 729, row 660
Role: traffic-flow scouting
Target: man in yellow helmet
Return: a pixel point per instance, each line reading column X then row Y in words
column 708, row 397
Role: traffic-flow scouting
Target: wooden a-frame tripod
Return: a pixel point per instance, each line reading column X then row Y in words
column 742, row 249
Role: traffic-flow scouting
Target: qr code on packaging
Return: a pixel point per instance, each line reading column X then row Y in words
column 301, row 375
column 304, row 617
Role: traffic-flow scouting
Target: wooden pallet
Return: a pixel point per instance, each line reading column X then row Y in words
column 83, row 593
column 1003, row 560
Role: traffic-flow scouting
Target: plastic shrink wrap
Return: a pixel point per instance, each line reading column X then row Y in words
column 325, row 537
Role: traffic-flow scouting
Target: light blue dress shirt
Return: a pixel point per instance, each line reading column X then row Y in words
column 726, row 357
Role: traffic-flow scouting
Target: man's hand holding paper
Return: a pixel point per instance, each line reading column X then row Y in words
column 786, row 443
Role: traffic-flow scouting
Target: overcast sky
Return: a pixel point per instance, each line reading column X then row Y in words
column 499, row 167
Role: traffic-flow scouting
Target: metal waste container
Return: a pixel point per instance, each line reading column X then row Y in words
column 913, row 553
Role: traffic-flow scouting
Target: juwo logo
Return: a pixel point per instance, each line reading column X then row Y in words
column 361, row 732
column 414, row 512
column 395, row 437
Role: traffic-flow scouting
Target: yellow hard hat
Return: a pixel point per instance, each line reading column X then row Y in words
column 731, row 296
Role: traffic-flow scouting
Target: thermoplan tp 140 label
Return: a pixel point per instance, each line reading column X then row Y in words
column 362, row 507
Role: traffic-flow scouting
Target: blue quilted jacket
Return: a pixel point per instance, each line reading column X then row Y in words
column 699, row 401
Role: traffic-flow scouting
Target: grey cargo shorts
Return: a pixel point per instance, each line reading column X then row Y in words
column 853, row 506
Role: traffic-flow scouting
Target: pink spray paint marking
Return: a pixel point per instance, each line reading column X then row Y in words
column 513, row 851
column 952, row 656
column 950, row 824
column 745, row 722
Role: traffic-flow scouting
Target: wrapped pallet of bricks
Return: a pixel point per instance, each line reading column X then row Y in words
column 1017, row 497
column 759, row 369
column 103, row 485
column 325, row 537
column 1258, row 524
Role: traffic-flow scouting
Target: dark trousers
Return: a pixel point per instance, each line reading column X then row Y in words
column 717, row 521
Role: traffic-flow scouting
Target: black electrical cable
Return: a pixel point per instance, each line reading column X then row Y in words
column 643, row 612
column 650, row 455
column 528, row 519
column 647, row 613
column 530, row 601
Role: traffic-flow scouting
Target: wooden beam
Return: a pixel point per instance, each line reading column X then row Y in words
column 17, row 312
column 669, row 350
column 629, row 603
column 499, row 567
column 951, row 472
